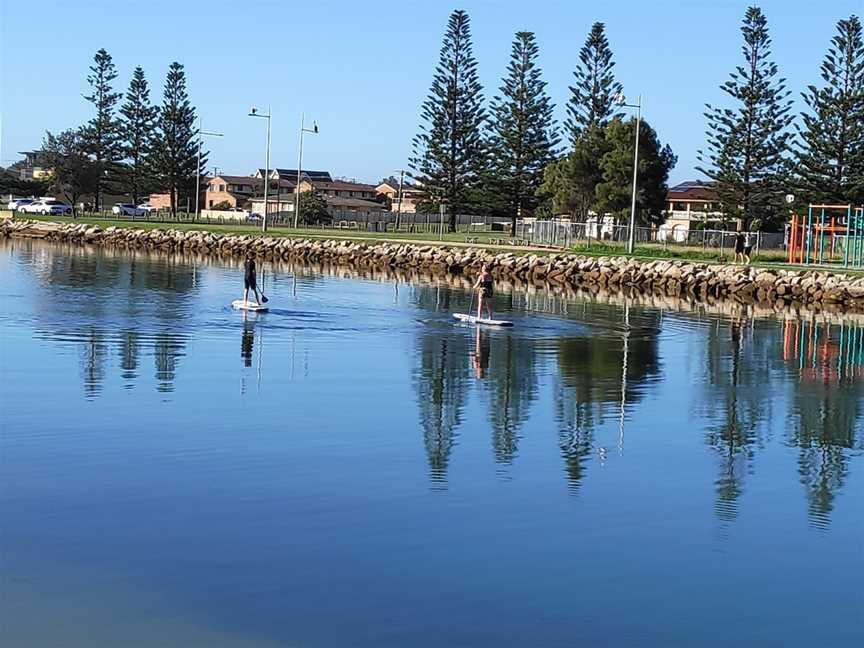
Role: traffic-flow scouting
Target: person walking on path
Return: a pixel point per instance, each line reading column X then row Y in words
column 483, row 286
column 250, row 280
column 748, row 248
column 739, row 247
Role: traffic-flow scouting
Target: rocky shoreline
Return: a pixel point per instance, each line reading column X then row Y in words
column 774, row 289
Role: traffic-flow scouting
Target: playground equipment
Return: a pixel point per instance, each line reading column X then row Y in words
column 840, row 227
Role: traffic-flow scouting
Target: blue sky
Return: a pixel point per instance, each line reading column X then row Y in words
column 362, row 69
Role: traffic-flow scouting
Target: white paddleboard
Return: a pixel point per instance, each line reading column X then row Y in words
column 240, row 304
column 473, row 319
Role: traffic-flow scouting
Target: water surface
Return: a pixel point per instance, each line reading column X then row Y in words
column 353, row 468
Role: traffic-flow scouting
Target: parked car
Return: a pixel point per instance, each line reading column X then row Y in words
column 147, row 208
column 127, row 209
column 46, row 207
column 254, row 217
column 18, row 202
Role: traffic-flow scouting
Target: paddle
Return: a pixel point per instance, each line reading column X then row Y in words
column 264, row 299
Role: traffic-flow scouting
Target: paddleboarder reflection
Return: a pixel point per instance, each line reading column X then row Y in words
column 480, row 355
column 247, row 341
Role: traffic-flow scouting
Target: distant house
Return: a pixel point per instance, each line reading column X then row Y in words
column 340, row 207
column 291, row 174
column 691, row 203
column 340, row 188
column 237, row 191
column 32, row 167
column 412, row 195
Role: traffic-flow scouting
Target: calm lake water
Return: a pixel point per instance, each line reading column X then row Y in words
column 354, row 469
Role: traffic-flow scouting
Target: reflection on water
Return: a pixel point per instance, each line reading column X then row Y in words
column 625, row 409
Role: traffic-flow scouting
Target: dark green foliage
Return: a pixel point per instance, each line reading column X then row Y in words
column 313, row 209
column 75, row 173
column 523, row 139
column 592, row 102
column 747, row 142
column 449, row 152
column 830, row 165
column 614, row 193
column 175, row 144
column 11, row 183
column 569, row 183
column 102, row 133
column 137, row 122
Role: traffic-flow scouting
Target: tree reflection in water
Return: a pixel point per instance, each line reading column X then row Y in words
column 600, row 375
column 823, row 421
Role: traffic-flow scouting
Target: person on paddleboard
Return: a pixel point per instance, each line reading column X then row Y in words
column 250, row 280
column 483, row 286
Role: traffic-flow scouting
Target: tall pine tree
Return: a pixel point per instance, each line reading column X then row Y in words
column 449, row 153
column 101, row 133
column 830, row 166
column 592, row 101
column 137, row 122
column 746, row 143
column 175, row 144
column 523, row 139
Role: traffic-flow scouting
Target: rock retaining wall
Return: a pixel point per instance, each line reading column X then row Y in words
column 817, row 289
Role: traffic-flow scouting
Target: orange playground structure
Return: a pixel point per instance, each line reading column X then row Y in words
column 828, row 234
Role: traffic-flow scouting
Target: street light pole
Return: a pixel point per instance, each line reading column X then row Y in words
column 201, row 134
column 303, row 129
column 399, row 198
column 631, row 237
column 631, row 242
column 253, row 112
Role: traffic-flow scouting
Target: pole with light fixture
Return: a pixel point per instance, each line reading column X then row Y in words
column 313, row 130
column 621, row 101
column 201, row 134
column 253, row 112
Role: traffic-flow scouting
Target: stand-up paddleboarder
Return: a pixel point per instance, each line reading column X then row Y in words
column 250, row 281
column 483, row 286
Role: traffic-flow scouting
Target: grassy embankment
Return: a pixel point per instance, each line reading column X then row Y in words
column 772, row 258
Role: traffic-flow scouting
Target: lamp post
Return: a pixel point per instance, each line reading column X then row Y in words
column 253, row 112
column 631, row 237
column 201, row 134
column 303, row 129
column 399, row 198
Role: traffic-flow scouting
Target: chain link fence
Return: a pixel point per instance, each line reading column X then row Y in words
column 564, row 233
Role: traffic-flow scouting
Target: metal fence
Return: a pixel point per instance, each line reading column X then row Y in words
column 563, row 233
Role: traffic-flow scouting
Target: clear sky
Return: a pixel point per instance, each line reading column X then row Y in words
column 362, row 69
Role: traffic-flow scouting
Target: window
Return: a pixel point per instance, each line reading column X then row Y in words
column 221, row 187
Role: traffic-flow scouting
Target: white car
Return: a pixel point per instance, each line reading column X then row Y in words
column 46, row 207
column 18, row 202
column 127, row 209
column 147, row 208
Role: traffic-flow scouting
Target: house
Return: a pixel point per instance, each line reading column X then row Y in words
column 32, row 166
column 236, row 191
column 412, row 195
column 340, row 188
column 689, row 204
column 291, row 174
column 340, row 207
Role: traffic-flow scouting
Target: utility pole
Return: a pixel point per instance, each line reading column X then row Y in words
column 313, row 130
column 399, row 198
column 201, row 134
column 253, row 112
column 621, row 101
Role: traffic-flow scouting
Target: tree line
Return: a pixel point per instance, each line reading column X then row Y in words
column 509, row 159
column 133, row 147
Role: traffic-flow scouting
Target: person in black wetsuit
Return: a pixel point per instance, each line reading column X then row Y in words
column 483, row 286
column 249, row 279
